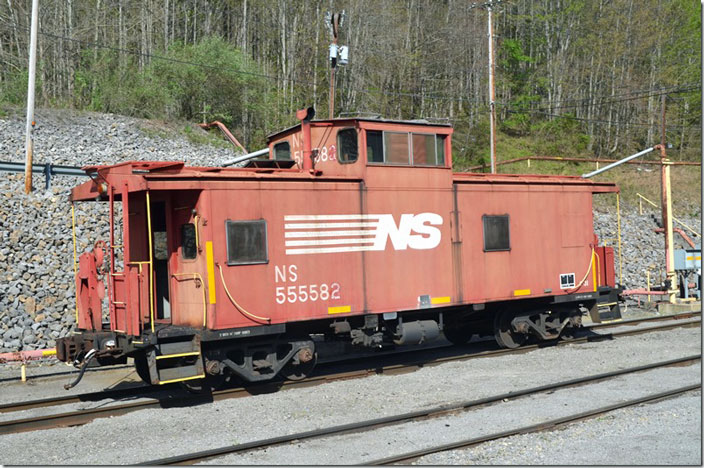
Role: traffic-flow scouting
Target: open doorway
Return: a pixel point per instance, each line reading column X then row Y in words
column 161, row 260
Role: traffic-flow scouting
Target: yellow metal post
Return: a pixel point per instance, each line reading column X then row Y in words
column 23, row 372
column 151, row 263
column 669, row 248
column 75, row 262
column 618, row 225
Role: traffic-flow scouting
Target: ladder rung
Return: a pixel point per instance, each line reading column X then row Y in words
column 176, row 374
column 181, row 380
column 168, row 356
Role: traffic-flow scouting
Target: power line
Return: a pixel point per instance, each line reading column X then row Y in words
column 607, row 122
column 634, row 94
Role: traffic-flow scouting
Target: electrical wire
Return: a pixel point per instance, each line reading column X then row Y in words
column 599, row 121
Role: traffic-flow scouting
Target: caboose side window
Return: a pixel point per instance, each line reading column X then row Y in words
column 347, row 151
column 188, row 241
column 282, row 151
column 375, row 146
column 417, row 149
column 496, row 233
column 246, row 242
column 396, row 148
column 424, row 150
column 440, row 149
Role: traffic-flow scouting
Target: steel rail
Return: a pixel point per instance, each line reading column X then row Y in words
column 136, row 391
column 659, row 318
column 410, row 416
column 57, row 374
column 86, row 415
column 543, row 426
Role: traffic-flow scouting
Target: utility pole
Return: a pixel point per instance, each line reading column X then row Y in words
column 492, row 92
column 333, row 64
column 29, row 144
column 667, row 212
column 337, row 55
column 492, row 88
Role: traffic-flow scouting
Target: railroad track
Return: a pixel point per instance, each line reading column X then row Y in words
column 84, row 416
column 547, row 425
column 196, row 457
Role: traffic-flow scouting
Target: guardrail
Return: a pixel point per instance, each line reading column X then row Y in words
column 49, row 170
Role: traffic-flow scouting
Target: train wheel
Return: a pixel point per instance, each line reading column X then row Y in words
column 457, row 335
column 299, row 371
column 505, row 336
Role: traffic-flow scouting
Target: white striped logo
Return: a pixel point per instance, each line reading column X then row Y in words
column 313, row 234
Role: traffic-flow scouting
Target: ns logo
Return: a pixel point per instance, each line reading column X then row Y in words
column 413, row 231
column 334, row 233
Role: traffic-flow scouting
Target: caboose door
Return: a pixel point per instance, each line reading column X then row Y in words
column 186, row 262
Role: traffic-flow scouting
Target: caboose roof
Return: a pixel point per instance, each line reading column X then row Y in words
column 351, row 120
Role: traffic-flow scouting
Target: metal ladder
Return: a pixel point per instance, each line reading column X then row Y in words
column 176, row 361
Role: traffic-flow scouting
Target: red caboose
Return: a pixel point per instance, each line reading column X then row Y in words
column 353, row 229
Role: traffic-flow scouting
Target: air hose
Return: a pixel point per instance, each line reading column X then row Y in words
column 84, row 365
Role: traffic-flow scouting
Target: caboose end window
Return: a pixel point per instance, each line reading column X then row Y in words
column 246, row 242
column 282, row 151
column 188, row 241
column 496, row 233
column 347, row 145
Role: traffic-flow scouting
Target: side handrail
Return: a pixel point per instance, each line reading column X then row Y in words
column 151, row 262
column 237, row 306
column 656, row 206
column 196, row 277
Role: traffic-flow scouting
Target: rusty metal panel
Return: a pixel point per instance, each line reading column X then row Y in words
column 308, row 273
column 540, row 251
column 188, row 289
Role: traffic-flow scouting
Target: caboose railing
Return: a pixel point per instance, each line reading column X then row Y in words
column 151, row 262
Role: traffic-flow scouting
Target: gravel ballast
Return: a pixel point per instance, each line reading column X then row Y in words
column 149, row 434
column 649, row 434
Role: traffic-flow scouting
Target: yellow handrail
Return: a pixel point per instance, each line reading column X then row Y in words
column 196, row 276
column 683, row 224
column 151, row 264
column 75, row 270
column 618, row 224
column 237, row 306
column 586, row 275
